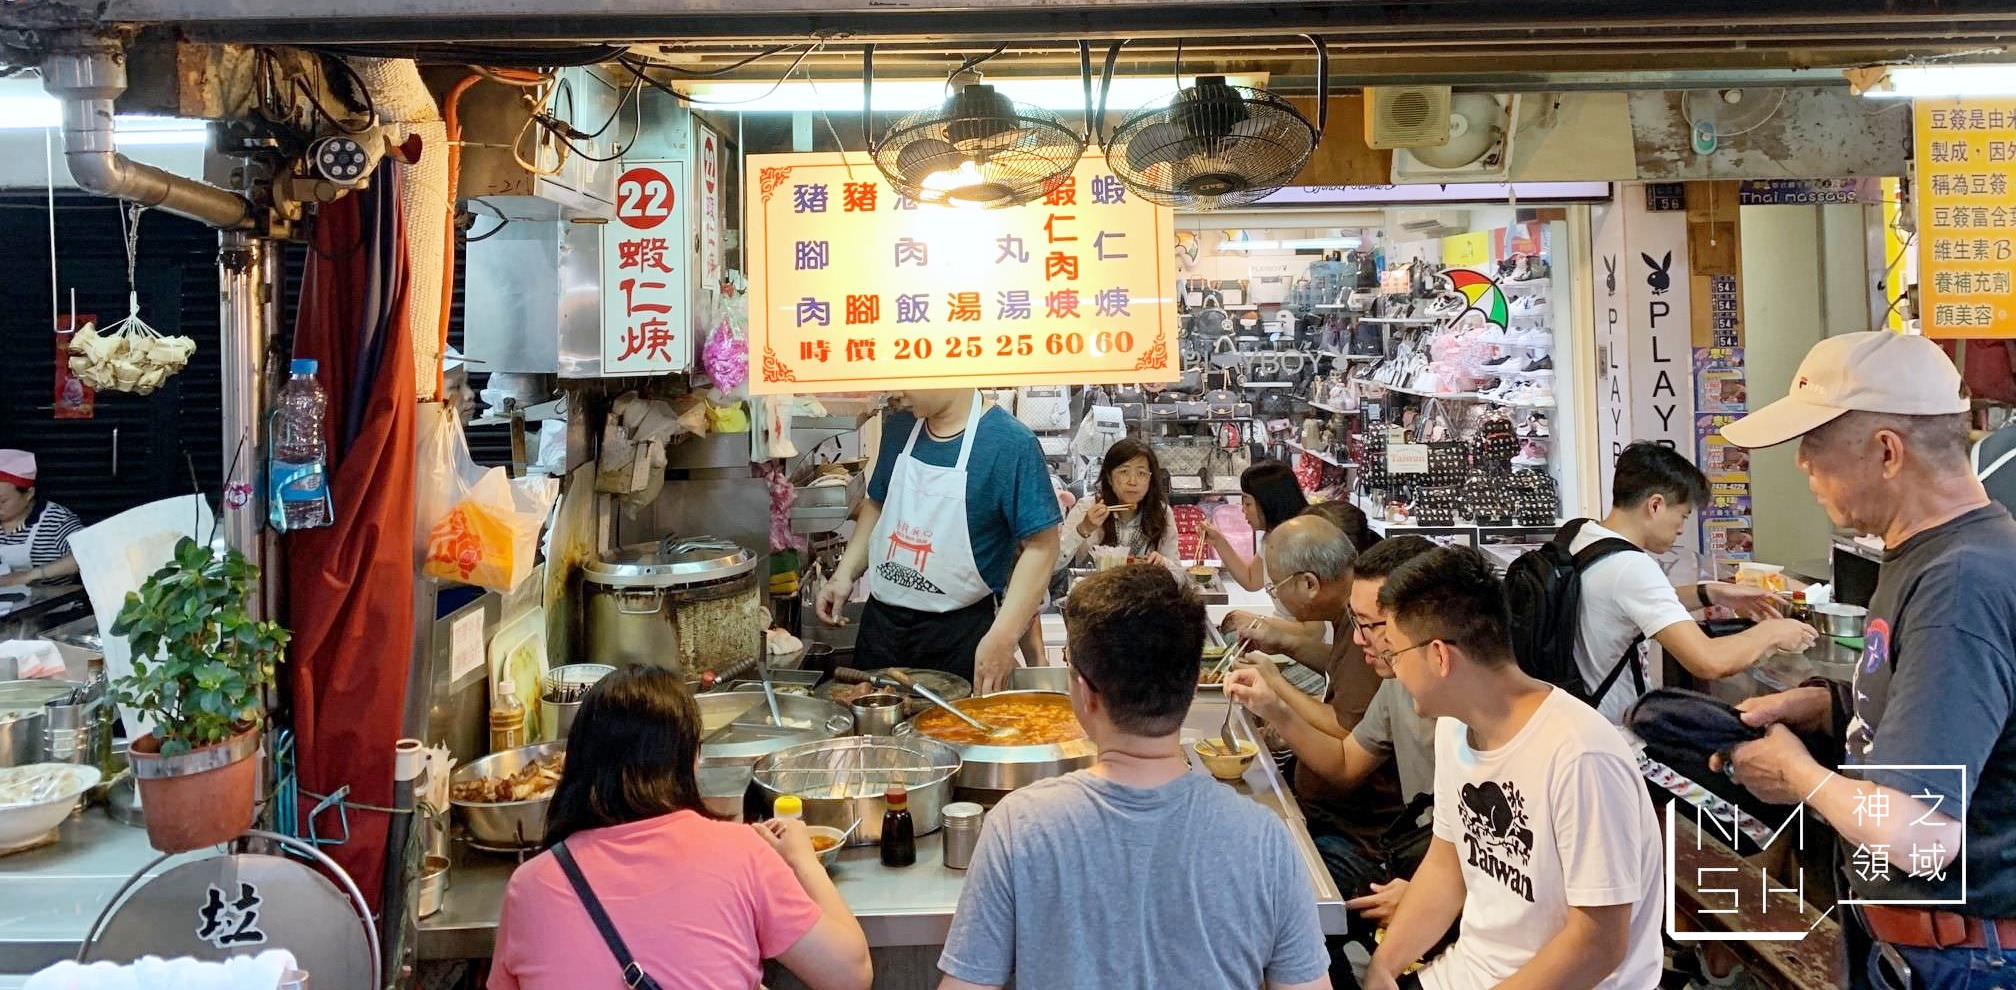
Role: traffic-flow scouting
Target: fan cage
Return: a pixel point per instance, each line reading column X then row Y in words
column 995, row 152
column 1212, row 146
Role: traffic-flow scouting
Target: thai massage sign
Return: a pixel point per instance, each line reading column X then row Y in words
column 1966, row 217
column 645, row 281
column 854, row 288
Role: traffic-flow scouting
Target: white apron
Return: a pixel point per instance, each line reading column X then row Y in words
column 20, row 558
column 921, row 555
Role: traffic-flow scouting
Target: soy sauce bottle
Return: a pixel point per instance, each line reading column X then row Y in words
column 899, row 833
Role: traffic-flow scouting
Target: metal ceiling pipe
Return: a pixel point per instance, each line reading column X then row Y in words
column 87, row 83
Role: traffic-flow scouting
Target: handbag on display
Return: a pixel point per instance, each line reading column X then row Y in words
column 1044, row 408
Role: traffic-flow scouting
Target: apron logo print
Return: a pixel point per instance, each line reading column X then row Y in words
column 914, row 541
column 896, row 573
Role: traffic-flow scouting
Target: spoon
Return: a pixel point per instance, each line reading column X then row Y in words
column 769, row 692
column 992, row 731
column 1225, row 731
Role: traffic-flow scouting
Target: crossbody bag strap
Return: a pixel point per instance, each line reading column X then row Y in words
column 634, row 976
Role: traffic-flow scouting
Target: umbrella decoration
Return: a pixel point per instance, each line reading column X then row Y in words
column 1482, row 292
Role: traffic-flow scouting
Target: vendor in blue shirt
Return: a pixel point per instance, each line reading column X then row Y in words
column 961, row 534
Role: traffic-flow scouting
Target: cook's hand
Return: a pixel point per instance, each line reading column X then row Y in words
column 1776, row 768
column 791, row 840
column 992, row 663
column 1748, row 601
column 833, row 597
column 1246, row 686
column 1095, row 517
column 11, row 578
column 1807, row 709
column 1790, row 635
column 1380, row 904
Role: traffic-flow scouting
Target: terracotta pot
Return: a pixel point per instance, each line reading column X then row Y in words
column 201, row 798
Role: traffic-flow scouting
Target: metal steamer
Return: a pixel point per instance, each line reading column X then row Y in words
column 689, row 605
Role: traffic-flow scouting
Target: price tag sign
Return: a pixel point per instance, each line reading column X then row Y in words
column 646, row 326
column 854, row 288
column 1407, row 458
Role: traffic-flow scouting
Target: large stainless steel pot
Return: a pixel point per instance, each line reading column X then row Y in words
column 687, row 605
column 735, row 726
column 22, row 718
column 842, row 781
column 505, row 825
column 996, row 770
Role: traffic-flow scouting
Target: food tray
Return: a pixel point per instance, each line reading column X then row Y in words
column 1307, row 680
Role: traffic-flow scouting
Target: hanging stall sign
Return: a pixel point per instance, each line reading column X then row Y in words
column 854, row 288
column 645, row 281
column 1966, row 217
column 710, row 210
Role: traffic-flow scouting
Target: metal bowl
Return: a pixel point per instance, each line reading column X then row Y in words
column 22, row 718
column 1844, row 621
column 735, row 726
column 998, row 769
column 842, row 780
column 505, row 824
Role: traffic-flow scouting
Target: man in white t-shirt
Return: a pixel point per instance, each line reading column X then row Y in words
column 1545, row 842
column 1627, row 597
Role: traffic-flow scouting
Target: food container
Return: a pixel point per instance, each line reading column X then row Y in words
column 1203, row 574
column 433, row 885
column 723, row 788
column 22, row 718
column 736, row 730
column 989, row 771
column 504, row 825
column 951, row 687
column 832, row 852
column 1223, row 765
column 1056, row 680
column 877, row 714
column 560, row 694
column 1841, row 621
column 690, row 605
column 841, row 780
column 57, row 786
column 962, row 833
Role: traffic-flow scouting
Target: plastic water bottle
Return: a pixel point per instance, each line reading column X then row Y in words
column 299, row 484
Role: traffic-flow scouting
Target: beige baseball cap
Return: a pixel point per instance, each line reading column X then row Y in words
column 1871, row 371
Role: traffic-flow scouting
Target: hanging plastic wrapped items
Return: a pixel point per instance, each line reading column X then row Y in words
column 129, row 356
column 725, row 353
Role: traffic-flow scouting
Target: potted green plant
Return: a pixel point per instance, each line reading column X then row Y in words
column 199, row 663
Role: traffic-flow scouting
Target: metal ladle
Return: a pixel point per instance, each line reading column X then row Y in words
column 905, row 680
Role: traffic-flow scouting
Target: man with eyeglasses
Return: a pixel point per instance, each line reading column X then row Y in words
column 1373, row 875
column 1545, row 842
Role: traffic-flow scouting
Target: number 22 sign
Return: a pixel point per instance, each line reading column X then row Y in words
column 644, row 198
column 646, row 321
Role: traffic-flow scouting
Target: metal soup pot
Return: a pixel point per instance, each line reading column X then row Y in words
column 22, row 718
column 736, row 730
column 686, row 605
column 999, row 769
column 842, row 781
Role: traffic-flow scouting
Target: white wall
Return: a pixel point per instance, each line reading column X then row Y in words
column 1803, row 274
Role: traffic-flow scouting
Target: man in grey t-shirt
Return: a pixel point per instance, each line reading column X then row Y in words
column 1138, row 873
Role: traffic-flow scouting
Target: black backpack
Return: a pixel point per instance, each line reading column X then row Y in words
column 1544, row 589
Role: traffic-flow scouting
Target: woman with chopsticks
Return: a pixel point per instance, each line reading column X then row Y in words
column 1129, row 510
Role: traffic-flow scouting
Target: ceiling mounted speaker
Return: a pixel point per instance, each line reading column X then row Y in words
column 979, row 148
column 1406, row 116
column 1215, row 145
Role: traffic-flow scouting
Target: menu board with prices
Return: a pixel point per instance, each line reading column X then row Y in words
column 646, row 329
column 1966, row 150
column 853, row 287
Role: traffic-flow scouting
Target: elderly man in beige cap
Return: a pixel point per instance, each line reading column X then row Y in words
column 1925, row 801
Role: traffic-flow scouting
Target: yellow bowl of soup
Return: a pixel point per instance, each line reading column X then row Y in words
column 1224, row 765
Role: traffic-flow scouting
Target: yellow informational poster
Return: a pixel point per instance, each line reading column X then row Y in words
column 854, row 288
column 1467, row 250
column 1966, row 150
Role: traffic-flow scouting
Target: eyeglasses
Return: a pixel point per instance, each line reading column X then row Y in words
column 1368, row 627
column 1392, row 655
column 1271, row 589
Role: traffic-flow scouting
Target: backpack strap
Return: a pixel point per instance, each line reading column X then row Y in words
column 1630, row 660
column 1584, row 559
column 634, row 976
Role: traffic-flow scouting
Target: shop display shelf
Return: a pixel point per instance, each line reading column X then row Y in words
column 1326, row 407
column 1321, row 456
column 1354, row 358
column 1529, row 285
column 1451, row 396
column 1402, row 321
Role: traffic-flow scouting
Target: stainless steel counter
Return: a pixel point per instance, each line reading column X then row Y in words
column 897, row 907
column 50, row 896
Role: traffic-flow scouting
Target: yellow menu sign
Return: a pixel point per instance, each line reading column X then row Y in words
column 1966, row 150
column 854, row 288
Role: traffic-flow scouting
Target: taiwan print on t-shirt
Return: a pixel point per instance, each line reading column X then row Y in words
column 1556, row 818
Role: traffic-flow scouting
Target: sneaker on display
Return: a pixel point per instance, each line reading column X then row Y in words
column 1545, row 363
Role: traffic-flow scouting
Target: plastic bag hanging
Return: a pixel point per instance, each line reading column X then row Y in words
column 128, row 356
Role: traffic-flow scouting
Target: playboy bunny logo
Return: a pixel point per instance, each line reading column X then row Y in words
column 1610, row 274
column 1660, row 278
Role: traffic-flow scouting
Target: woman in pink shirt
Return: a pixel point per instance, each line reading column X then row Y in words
column 698, row 903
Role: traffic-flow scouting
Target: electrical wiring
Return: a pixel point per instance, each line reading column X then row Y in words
column 502, row 222
column 1775, row 107
column 567, row 134
column 665, row 88
column 717, row 73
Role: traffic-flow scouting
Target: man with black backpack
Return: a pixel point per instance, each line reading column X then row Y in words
column 1584, row 605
